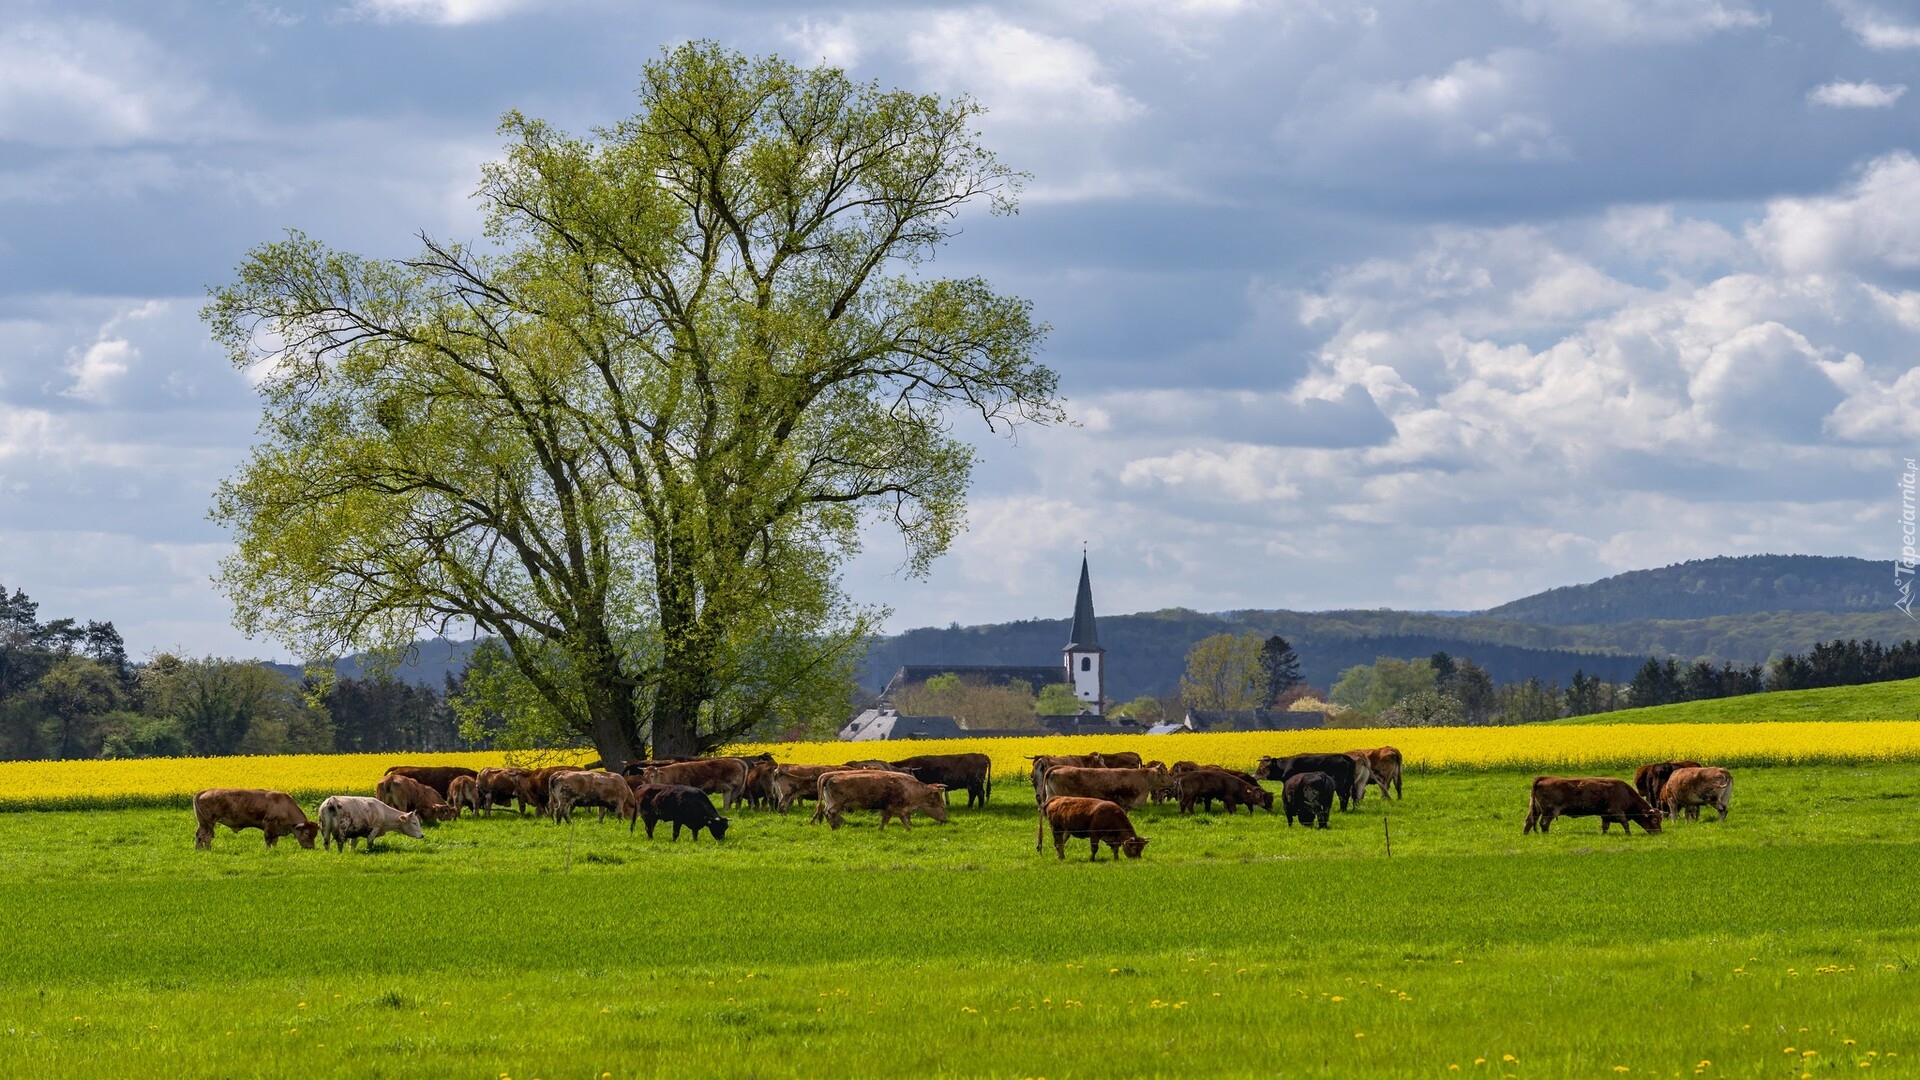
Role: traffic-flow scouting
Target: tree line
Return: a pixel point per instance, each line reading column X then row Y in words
column 68, row 690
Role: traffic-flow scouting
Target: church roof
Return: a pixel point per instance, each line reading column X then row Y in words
column 1084, row 637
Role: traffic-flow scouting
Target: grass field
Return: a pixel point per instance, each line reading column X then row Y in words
column 1778, row 943
column 1898, row 700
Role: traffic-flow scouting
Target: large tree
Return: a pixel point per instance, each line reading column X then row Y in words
column 636, row 433
column 1224, row 672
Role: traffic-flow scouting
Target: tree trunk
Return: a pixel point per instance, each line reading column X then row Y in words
column 610, row 711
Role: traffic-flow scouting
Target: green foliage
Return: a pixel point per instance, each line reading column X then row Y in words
column 225, row 706
column 1224, row 671
column 1423, row 708
column 978, row 707
column 1058, row 699
column 1705, row 588
column 637, row 433
column 1147, row 710
column 1374, row 688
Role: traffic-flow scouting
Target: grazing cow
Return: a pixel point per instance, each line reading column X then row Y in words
column 794, row 783
column 872, row 765
column 1649, row 779
column 1309, row 797
column 725, row 777
column 347, row 818
column 272, row 812
column 1043, row 762
column 1184, row 766
column 1122, row 759
column 1691, row 789
column 500, row 786
column 1096, row 819
column 759, row 792
column 1128, row 787
column 464, row 794
column 601, row 789
column 1207, row 784
column 1338, row 766
column 1362, row 773
column 437, row 777
column 894, row 794
column 404, row 793
column 1384, row 764
column 973, row 772
column 536, row 786
column 1604, row 797
column 679, row 805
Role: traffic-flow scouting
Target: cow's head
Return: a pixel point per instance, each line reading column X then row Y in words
column 1260, row 797
column 1265, row 768
column 1647, row 818
column 934, row 802
column 305, row 832
column 410, row 825
column 718, row 827
column 1133, row 846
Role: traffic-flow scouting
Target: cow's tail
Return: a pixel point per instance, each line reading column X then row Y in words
column 986, row 791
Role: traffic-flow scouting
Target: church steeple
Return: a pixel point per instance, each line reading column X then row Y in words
column 1084, row 638
column 1086, row 660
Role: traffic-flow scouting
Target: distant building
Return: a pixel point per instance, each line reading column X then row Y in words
column 1082, row 666
column 877, row 725
column 1252, row 720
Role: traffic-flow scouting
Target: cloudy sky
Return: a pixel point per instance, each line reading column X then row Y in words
column 1401, row 304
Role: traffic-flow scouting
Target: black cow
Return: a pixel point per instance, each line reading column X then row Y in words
column 974, row 772
column 1309, row 797
column 1339, row 767
column 680, row 805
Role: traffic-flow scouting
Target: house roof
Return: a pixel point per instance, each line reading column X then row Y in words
column 1085, row 637
column 1253, row 720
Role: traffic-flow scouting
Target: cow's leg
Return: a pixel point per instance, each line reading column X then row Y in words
column 272, row 837
column 650, row 819
column 1093, row 841
column 1059, row 842
column 203, row 838
column 676, row 832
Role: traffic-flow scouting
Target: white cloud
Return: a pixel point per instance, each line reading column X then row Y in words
column 1856, row 95
column 1875, row 28
column 1478, row 107
column 97, row 83
column 98, row 366
column 437, row 12
column 1875, row 220
column 1615, row 21
column 835, row 42
column 1020, row 75
column 1242, row 473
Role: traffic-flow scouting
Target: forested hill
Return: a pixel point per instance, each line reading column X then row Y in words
column 1146, row 653
column 1706, row 588
column 428, row 664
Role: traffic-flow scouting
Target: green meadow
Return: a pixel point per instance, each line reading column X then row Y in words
column 1897, row 700
column 1780, row 942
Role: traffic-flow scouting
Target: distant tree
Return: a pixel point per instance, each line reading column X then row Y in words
column 1444, row 670
column 1657, row 683
column 1224, row 672
column 1058, row 699
column 1297, row 693
column 1423, row 708
column 74, row 695
column 1583, row 694
column 976, row 705
column 1528, row 702
column 1473, row 688
column 1374, row 688
column 234, row 706
column 1279, row 669
column 1145, row 709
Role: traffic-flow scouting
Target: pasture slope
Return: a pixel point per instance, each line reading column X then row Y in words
column 1780, row 942
column 1896, row 700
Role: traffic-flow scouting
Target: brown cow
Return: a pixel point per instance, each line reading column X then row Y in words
column 1043, row 762
column 974, row 772
column 500, row 786
column 1690, row 789
column 894, row 794
column 464, row 794
column 1362, row 773
column 795, row 783
column 1649, row 779
column 405, row 794
column 1119, row 759
column 272, row 812
column 759, row 792
column 436, row 777
column 1384, row 765
column 602, row 789
column 1096, row 819
column 1612, row 801
column 1207, row 784
column 537, row 785
column 1128, row 787
column 725, row 777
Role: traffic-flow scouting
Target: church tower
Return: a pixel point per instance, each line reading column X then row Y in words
column 1085, row 658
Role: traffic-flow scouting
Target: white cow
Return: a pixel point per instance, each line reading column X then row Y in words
column 345, row 818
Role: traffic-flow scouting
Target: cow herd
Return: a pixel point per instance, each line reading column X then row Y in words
column 1078, row 796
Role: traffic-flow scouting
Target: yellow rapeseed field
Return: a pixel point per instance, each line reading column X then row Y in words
column 1596, row 748
column 1558, row 748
